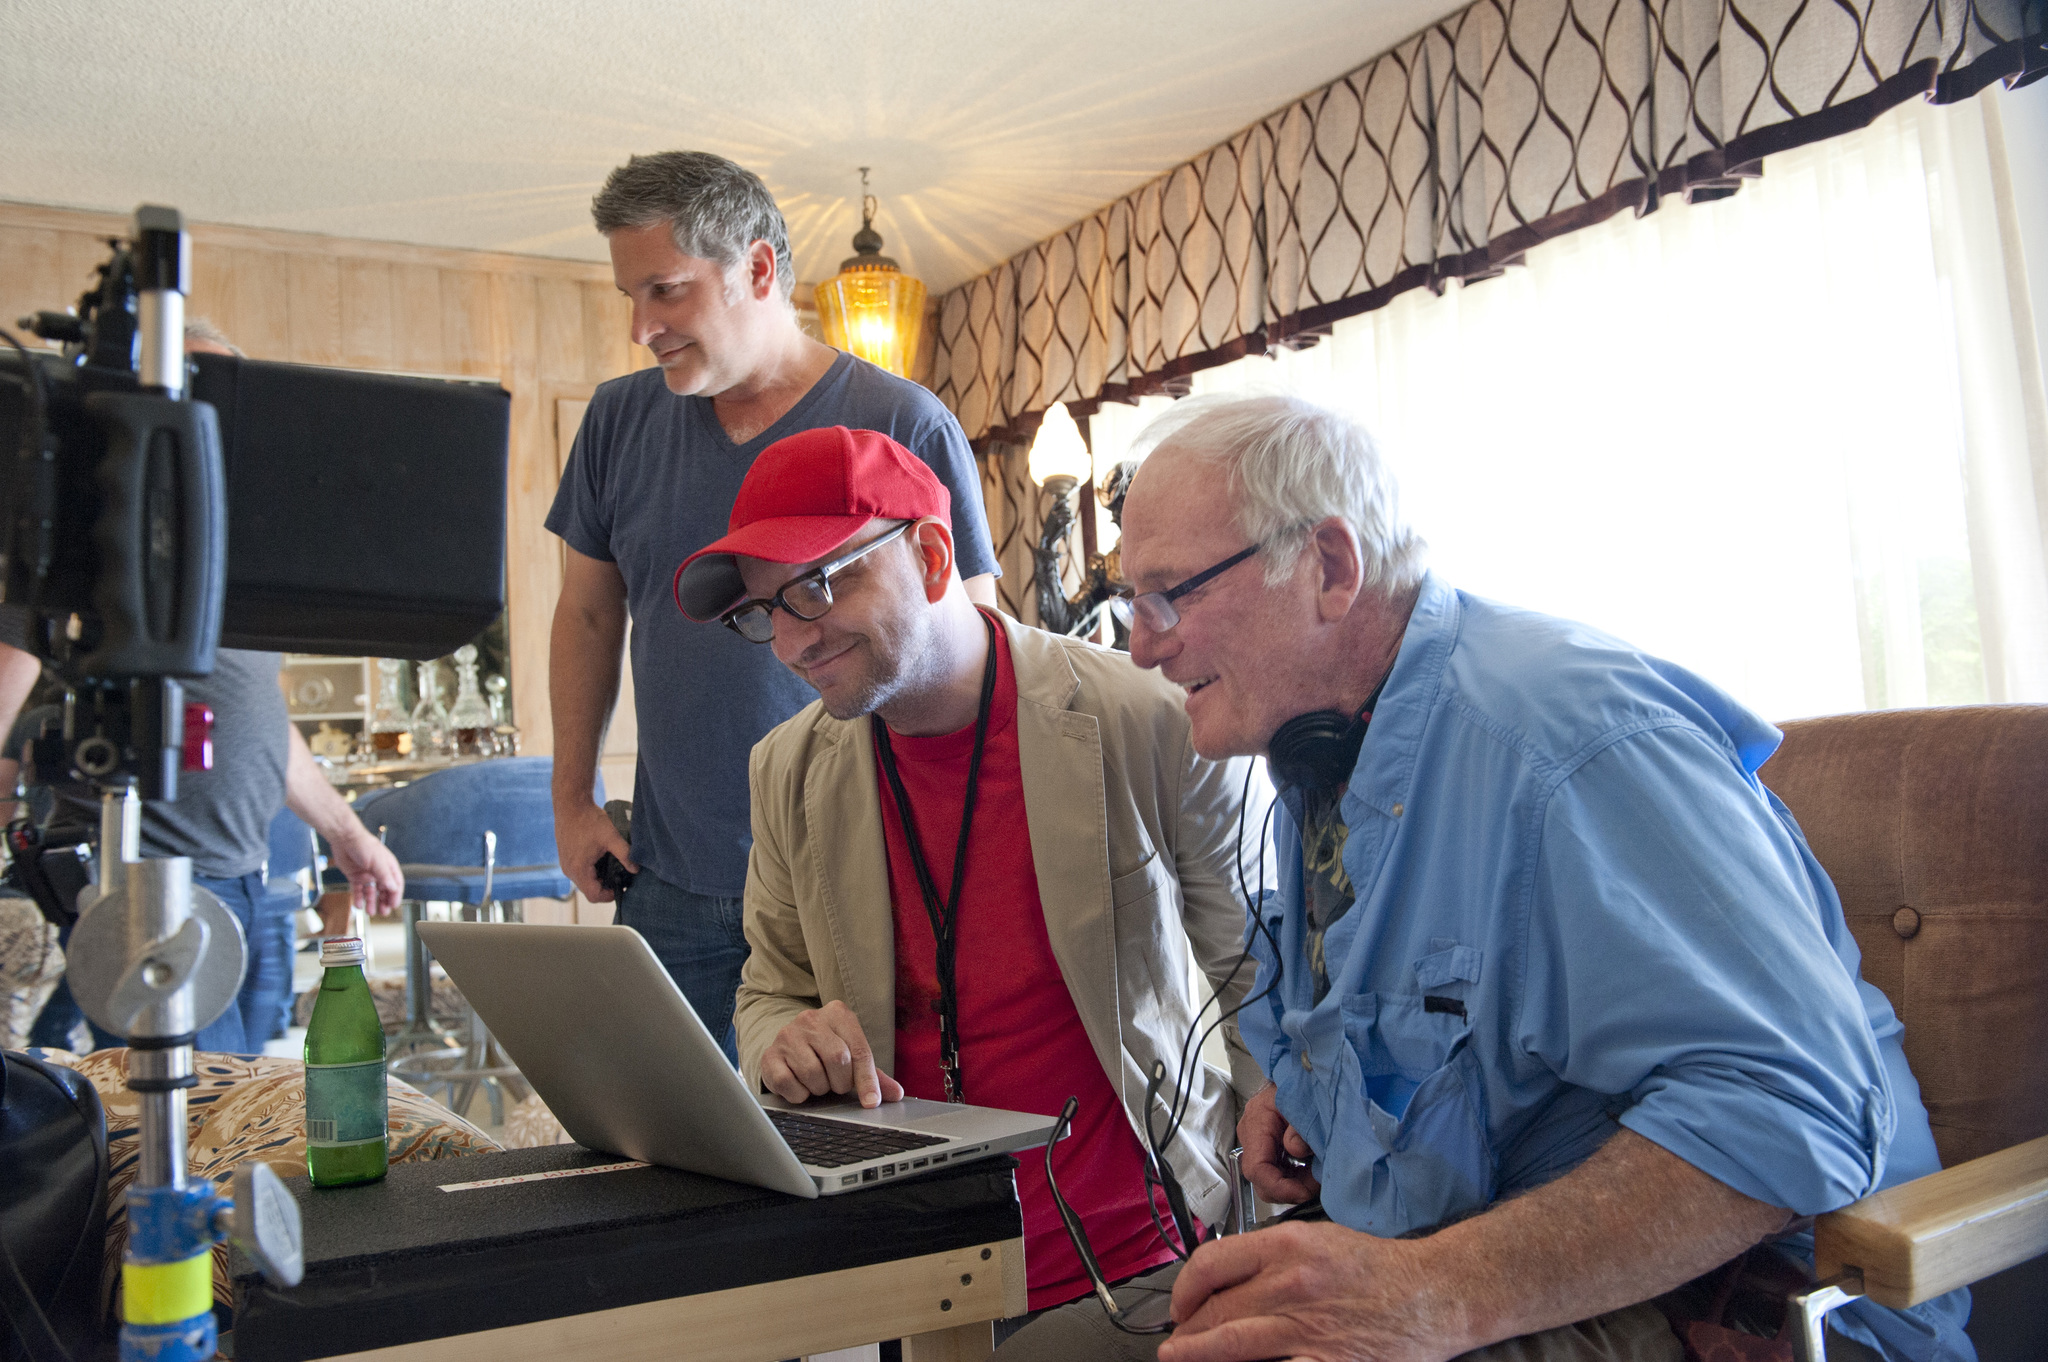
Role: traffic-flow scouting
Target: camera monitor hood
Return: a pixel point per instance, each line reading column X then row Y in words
column 365, row 512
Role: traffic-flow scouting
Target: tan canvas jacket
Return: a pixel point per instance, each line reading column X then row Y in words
column 1133, row 837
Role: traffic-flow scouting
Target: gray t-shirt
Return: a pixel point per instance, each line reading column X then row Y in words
column 651, row 480
column 221, row 818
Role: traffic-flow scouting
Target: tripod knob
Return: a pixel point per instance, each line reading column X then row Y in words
column 266, row 1226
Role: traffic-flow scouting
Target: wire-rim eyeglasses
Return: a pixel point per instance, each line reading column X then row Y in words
column 1156, row 608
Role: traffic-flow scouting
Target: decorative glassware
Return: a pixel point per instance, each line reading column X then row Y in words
column 331, row 742
column 504, row 733
column 390, row 727
column 470, row 719
column 430, row 716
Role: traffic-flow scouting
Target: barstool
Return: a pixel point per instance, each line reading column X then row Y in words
column 500, row 813
column 289, row 874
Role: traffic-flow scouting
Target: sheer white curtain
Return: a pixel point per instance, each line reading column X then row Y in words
column 1793, row 439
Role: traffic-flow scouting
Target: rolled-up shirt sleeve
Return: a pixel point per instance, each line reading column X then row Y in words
column 1678, row 961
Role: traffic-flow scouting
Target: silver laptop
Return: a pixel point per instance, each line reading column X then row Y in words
column 606, row 1038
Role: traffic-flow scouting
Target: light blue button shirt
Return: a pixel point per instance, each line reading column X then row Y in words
column 1577, row 907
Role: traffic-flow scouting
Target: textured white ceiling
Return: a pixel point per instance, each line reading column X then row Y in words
column 489, row 125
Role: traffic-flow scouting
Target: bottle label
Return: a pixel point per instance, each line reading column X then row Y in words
column 345, row 1104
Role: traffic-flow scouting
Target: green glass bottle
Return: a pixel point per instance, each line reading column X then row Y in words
column 347, row 1134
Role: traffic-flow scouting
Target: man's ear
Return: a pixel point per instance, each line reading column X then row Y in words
column 932, row 539
column 761, row 263
column 1339, row 567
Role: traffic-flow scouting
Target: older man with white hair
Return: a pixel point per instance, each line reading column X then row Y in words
column 1561, row 1019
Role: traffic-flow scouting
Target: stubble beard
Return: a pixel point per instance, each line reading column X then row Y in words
column 911, row 671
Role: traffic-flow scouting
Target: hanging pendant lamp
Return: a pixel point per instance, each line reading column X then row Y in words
column 871, row 307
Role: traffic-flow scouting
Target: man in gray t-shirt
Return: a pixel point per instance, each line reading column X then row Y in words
column 699, row 247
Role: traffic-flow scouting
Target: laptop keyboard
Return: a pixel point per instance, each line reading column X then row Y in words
column 825, row 1143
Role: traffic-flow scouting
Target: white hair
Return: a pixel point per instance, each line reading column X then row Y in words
column 1291, row 465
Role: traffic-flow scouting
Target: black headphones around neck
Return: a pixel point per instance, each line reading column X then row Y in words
column 1318, row 750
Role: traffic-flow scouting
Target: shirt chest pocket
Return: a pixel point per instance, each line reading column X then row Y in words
column 1408, row 1127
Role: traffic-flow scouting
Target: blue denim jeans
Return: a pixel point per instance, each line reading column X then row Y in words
column 258, row 1011
column 698, row 939
column 265, row 1000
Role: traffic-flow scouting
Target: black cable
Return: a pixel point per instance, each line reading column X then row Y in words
column 1183, row 1071
column 1191, row 1052
column 1158, row 1169
column 1078, row 1234
column 35, row 371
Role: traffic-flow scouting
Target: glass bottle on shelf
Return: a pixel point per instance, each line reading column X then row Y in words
column 470, row 719
column 430, row 716
column 390, row 727
column 505, row 733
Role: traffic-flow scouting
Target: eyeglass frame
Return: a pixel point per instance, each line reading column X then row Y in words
column 1078, row 1235
column 1124, row 604
column 823, row 574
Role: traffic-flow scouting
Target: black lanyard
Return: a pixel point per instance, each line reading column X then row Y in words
column 945, row 917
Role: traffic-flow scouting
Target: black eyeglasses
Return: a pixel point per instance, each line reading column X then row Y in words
column 1144, row 1318
column 807, row 598
column 1156, row 608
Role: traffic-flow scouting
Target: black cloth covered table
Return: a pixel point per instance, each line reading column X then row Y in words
column 400, row 1260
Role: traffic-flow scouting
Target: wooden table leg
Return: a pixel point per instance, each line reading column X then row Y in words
column 966, row 1343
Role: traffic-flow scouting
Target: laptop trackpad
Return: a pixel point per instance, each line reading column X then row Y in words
column 846, row 1107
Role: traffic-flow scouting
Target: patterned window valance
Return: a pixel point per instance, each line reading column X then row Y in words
column 1510, row 122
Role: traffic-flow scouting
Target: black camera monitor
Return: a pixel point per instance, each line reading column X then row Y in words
column 365, row 512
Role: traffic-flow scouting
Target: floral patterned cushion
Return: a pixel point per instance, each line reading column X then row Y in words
column 530, row 1125
column 387, row 991
column 30, row 965
column 245, row 1107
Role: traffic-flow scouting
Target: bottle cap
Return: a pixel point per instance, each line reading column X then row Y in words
column 342, row 950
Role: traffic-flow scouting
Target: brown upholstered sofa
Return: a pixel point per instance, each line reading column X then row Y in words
column 1934, row 826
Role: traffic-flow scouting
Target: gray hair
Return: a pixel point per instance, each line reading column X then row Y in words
column 1292, row 464
column 714, row 208
column 203, row 329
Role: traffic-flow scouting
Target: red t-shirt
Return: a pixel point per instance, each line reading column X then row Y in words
column 1022, row 1045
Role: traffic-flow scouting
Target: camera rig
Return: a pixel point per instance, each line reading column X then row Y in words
column 113, row 546
column 150, row 512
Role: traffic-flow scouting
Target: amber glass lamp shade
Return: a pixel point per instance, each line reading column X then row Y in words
column 871, row 307
column 874, row 310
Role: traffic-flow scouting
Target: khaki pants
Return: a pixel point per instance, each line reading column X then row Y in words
column 1080, row 1330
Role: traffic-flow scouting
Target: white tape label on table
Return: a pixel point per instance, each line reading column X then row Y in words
column 542, row 1177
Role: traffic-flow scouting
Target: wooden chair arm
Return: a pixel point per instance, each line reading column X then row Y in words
column 1948, row 1229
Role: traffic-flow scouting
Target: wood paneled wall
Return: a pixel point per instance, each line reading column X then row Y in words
column 549, row 330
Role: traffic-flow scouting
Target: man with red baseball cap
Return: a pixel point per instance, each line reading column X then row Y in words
column 980, row 859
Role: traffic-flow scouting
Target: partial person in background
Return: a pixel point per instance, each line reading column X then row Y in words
column 699, row 247
column 221, row 818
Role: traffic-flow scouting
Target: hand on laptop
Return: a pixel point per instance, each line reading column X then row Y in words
column 824, row 1050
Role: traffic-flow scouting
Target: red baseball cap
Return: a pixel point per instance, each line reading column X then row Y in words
column 804, row 497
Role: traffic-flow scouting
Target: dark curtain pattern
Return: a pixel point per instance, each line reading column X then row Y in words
column 1508, row 123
